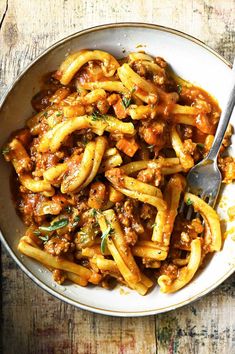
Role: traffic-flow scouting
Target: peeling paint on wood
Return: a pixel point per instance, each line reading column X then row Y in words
column 33, row 321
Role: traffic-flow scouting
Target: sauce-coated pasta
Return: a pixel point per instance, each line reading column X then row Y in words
column 100, row 173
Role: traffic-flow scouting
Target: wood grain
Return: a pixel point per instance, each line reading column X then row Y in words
column 34, row 322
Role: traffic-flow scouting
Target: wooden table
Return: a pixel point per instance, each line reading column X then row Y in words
column 33, row 321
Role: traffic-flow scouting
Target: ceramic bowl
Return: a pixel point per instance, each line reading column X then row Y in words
column 192, row 60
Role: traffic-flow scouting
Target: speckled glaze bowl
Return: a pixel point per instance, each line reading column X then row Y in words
column 192, row 60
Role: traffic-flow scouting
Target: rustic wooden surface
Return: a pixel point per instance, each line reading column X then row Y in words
column 34, row 322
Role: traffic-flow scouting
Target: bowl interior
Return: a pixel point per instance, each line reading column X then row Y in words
column 191, row 61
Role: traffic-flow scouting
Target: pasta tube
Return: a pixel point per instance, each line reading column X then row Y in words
column 213, row 238
column 54, row 262
column 113, row 86
column 164, row 222
column 119, row 249
column 76, row 60
column 185, row 274
column 53, row 139
column 186, row 160
column 73, row 181
column 131, row 80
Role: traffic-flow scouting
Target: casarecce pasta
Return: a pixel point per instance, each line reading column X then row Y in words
column 100, row 171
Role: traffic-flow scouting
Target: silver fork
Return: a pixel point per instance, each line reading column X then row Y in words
column 204, row 179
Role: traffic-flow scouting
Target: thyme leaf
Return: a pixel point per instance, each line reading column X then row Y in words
column 189, row 201
column 200, row 145
column 76, row 221
column 126, row 101
column 55, row 226
column 179, row 89
column 45, row 238
column 6, row 150
column 151, row 147
column 98, row 116
column 104, row 237
column 68, row 209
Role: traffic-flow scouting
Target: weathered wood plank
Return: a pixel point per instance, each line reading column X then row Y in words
column 35, row 322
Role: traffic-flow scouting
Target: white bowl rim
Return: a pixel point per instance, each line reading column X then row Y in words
column 4, row 241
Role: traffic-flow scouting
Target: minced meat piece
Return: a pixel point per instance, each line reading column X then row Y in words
column 57, row 246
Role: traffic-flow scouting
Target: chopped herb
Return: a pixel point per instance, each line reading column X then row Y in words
column 68, row 209
column 58, row 114
column 104, row 236
column 179, row 89
column 37, row 232
column 98, row 116
column 55, row 226
column 94, row 212
column 189, row 201
column 45, row 238
column 150, row 147
column 45, row 114
column 6, row 150
column 200, row 145
column 76, row 221
column 133, row 90
column 126, row 101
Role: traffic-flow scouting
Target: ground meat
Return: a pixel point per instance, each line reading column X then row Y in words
column 161, row 62
column 59, row 276
column 150, row 175
column 41, row 100
column 154, row 133
column 201, row 104
column 227, row 167
column 169, row 269
column 227, row 137
column 189, row 146
column 159, row 80
column 97, row 195
column 57, row 246
column 130, row 236
column 115, row 175
column 26, row 205
column 128, row 215
column 187, row 132
column 147, row 212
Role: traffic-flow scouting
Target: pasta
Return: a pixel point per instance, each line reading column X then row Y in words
column 100, row 171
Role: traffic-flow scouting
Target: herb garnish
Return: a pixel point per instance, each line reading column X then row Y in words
column 6, row 150
column 68, row 209
column 76, row 221
column 45, row 114
column 104, row 236
column 151, row 147
column 133, row 90
column 98, row 116
column 56, row 225
column 45, row 238
column 200, row 145
column 58, row 114
column 126, row 101
column 94, row 212
column 37, row 232
column 189, row 201
column 179, row 89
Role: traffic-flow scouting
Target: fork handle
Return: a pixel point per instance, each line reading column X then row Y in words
column 224, row 120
